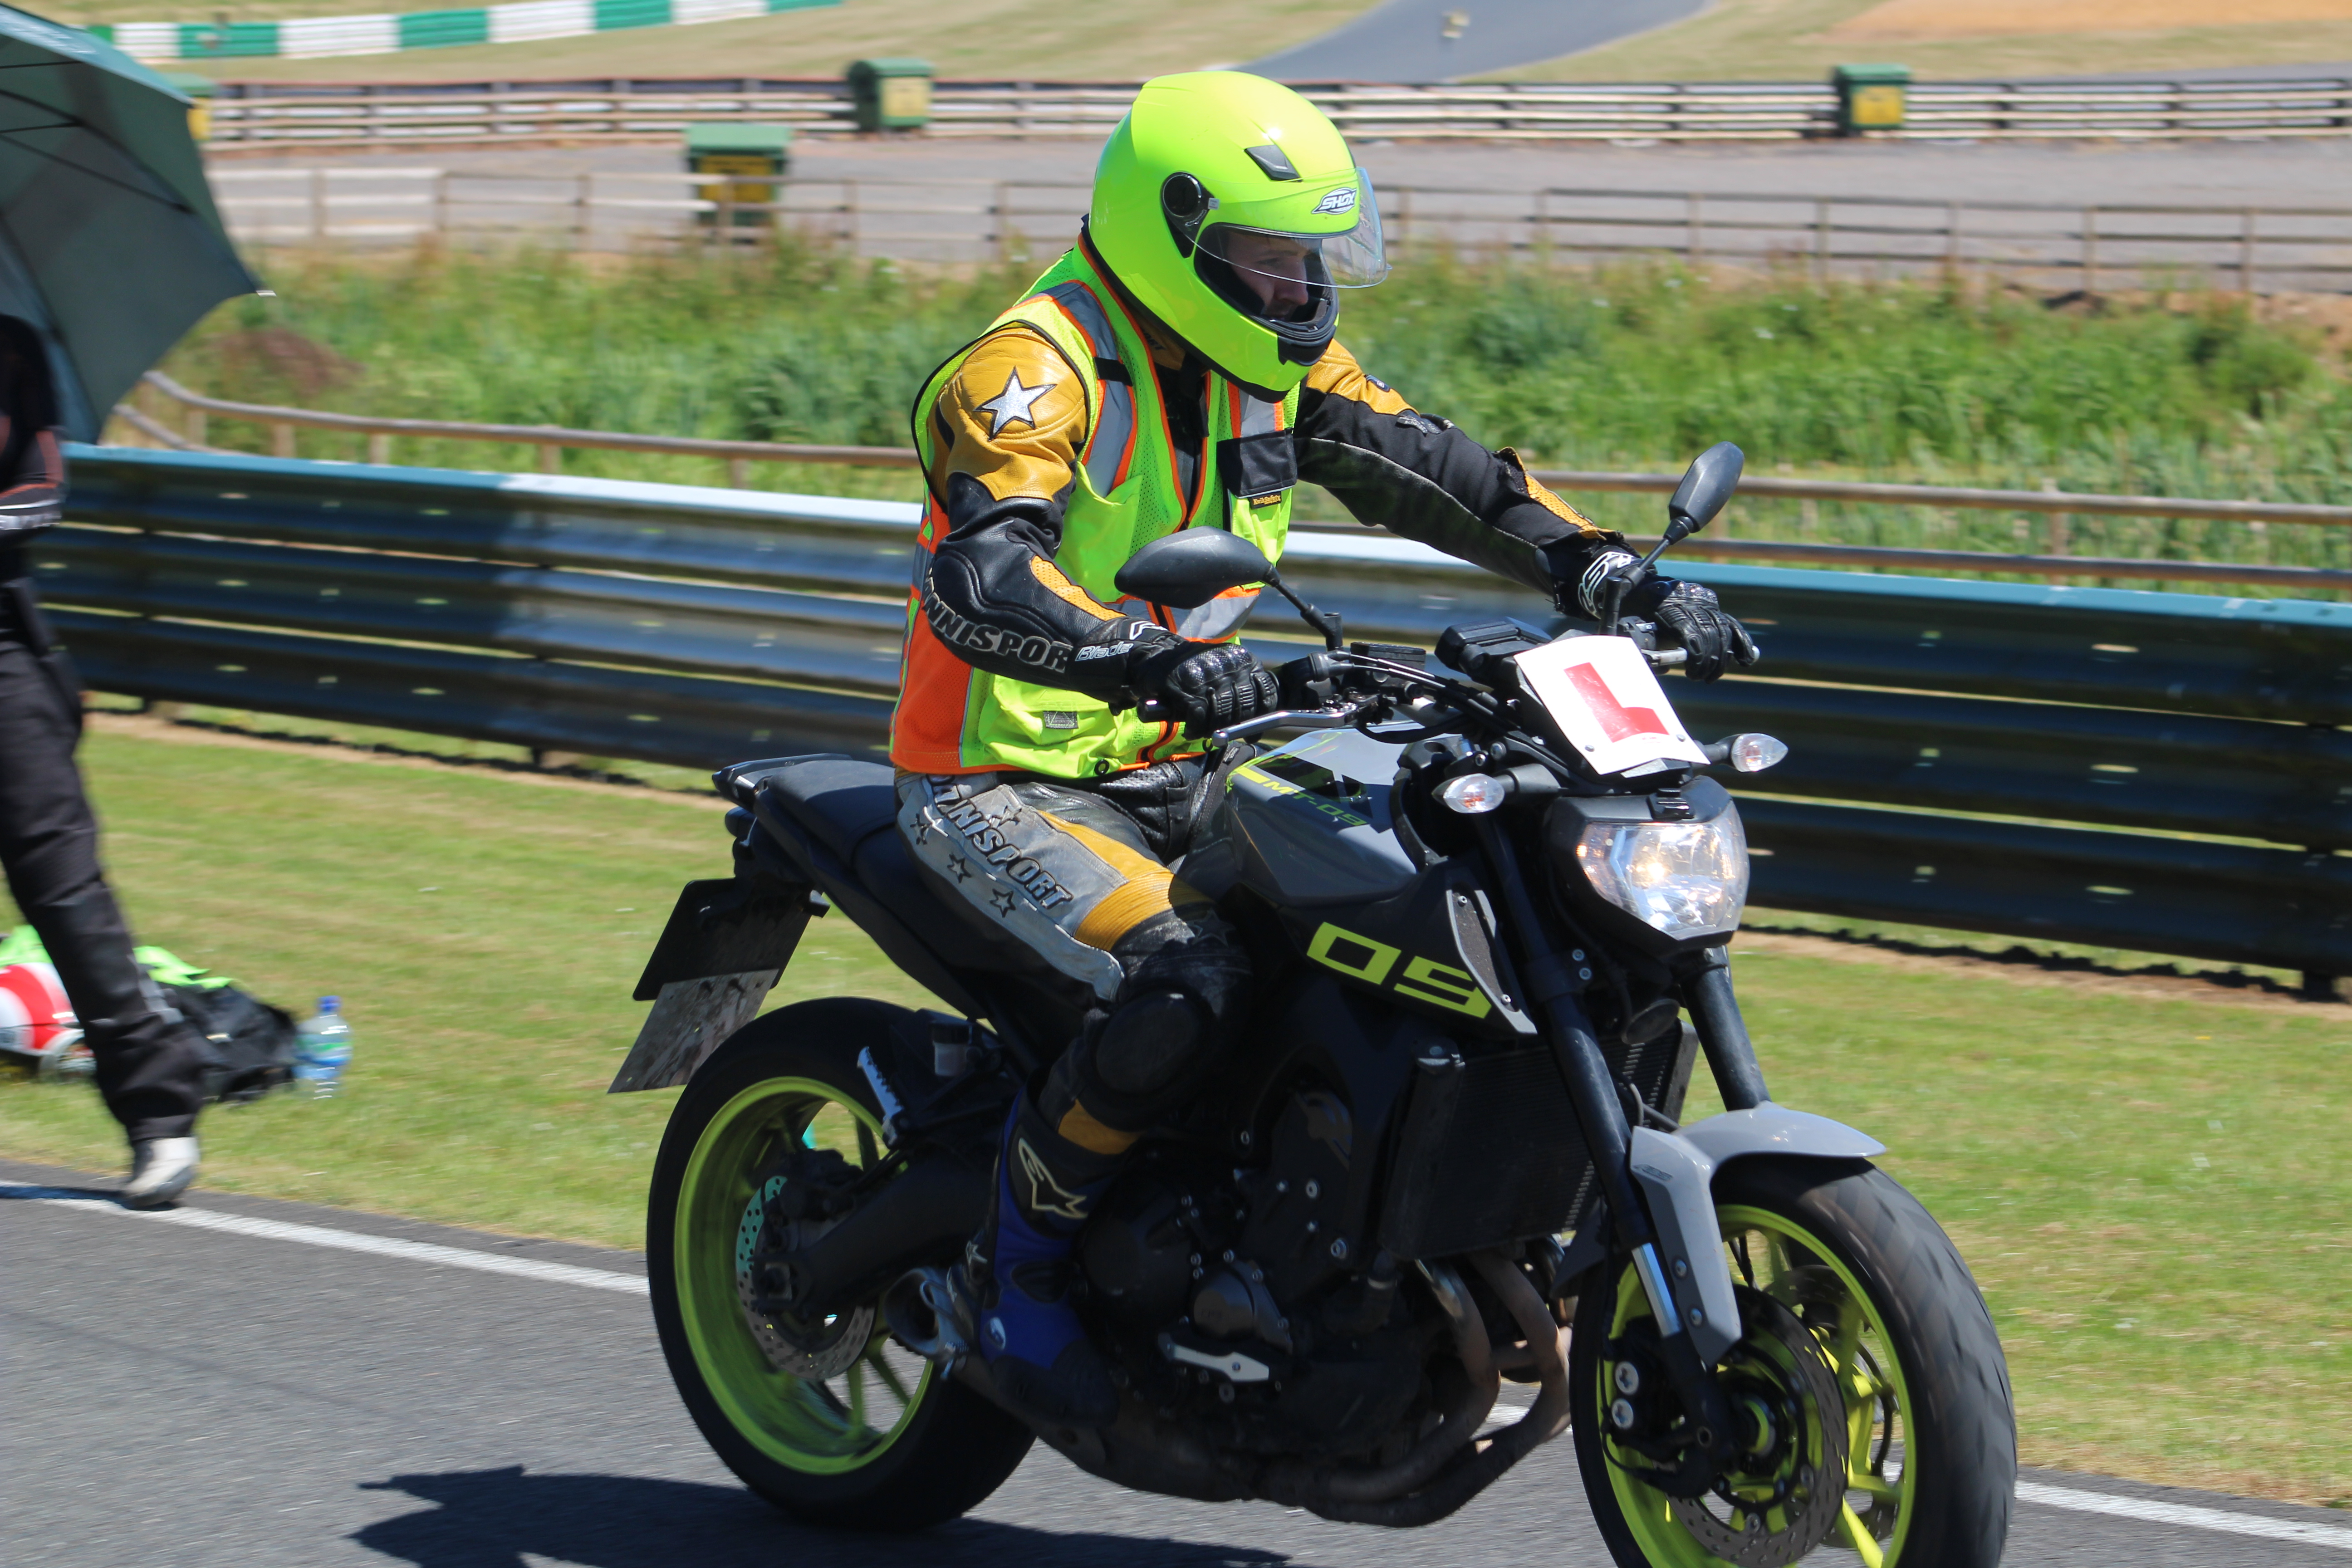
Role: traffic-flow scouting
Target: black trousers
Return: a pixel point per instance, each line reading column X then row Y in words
column 150, row 1062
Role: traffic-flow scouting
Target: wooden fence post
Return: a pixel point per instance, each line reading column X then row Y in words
column 551, row 458
column 1821, row 242
column 1004, row 216
column 1698, row 227
column 379, row 447
column 2058, row 525
column 318, row 206
column 738, row 473
column 2246, row 254
column 581, row 205
column 441, row 202
column 281, row 439
column 2090, row 251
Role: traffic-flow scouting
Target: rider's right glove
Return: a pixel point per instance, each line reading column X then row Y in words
column 1206, row 685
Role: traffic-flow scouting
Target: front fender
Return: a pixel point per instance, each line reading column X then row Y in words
column 1770, row 1129
column 1676, row 1173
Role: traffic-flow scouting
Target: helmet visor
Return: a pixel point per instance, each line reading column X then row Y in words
column 1286, row 262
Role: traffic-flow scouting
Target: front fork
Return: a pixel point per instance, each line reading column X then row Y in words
column 1555, row 982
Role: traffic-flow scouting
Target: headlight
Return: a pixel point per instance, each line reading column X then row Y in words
column 1686, row 878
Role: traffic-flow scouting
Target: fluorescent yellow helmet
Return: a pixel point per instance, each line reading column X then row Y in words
column 1231, row 208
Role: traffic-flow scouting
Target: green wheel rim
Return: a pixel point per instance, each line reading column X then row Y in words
column 821, row 1427
column 1781, row 1258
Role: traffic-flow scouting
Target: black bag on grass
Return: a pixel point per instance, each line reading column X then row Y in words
column 253, row 1042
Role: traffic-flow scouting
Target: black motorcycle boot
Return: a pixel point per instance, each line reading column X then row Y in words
column 151, row 1061
column 1022, row 1273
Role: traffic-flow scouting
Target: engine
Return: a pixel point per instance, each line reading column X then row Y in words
column 1230, row 1294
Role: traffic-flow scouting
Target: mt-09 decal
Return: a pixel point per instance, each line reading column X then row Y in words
column 1422, row 979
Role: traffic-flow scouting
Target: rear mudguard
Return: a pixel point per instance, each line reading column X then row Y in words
column 725, row 947
column 1675, row 1172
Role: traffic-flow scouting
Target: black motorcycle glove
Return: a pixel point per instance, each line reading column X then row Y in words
column 1206, row 685
column 1690, row 617
column 1686, row 613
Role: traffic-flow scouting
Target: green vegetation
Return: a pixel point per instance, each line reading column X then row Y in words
column 2108, row 1163
column 995, row 40
column 1795, row 40
column 2183, row 392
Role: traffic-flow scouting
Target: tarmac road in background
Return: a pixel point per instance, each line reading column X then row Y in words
column 185, row 1392
column 2285, row 172
column 1441, row 40
column 540, row 184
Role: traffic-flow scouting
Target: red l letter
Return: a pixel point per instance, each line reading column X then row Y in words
column 1618, row 722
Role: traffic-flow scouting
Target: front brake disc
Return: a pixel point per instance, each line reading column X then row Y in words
column 1789, row 1495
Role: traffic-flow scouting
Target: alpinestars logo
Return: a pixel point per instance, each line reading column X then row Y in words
column 1047, row 1196
column 1342, row 200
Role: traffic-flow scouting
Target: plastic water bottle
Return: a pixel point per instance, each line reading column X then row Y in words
column 322, row 1049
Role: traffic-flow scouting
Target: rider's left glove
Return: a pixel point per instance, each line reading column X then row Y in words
column 1687, row 612
column 1689, row 616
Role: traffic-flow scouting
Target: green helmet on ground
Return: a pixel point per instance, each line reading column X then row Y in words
column 1231, row 209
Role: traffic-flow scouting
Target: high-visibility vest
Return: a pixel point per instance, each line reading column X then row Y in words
column 953, row 718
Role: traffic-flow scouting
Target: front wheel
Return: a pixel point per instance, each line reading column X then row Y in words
column 1872, row 1395
column 821, row 1414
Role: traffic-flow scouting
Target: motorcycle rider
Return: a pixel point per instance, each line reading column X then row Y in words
column 1175, row 369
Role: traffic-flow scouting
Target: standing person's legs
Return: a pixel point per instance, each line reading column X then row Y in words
column 1069, row 874
column 150, row 1062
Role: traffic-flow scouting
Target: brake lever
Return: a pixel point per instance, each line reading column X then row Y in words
column 1298, row 718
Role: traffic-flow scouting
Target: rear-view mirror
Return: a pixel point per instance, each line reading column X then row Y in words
column 1186, row 570
column 1706, row 485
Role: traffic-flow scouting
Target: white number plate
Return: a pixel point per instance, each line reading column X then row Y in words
column 1601, row 693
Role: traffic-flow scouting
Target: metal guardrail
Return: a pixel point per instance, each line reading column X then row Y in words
column 550, row 441
column 697, row 626
column 265, row 113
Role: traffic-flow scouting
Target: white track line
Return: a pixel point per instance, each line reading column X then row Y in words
column 2143, row 1509
column 345, row 1240
column 2155, row 1512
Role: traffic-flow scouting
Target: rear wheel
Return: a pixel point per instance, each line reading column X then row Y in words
column 1868, row 1359
column 824, row 1414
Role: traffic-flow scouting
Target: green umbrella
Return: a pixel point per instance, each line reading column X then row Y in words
column 110, row 245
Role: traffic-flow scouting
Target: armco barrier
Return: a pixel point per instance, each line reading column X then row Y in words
column 2182, row 759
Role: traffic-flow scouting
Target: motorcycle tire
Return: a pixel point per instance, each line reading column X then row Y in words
column 801, row 1420
column 1841, row 1260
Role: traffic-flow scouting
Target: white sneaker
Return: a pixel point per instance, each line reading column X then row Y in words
column 160, row 1170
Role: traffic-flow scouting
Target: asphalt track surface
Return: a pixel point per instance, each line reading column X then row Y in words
column 258, row 1384
column 2282, row 172
column 1406, row 40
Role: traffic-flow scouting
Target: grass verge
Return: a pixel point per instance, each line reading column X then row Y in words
column 1796, row 40
column 984, row 39
column 2149, row 1189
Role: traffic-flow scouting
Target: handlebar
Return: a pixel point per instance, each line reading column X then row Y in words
column 1155, row 711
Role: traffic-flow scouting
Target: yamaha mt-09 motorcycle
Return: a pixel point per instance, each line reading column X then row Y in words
column 1490, row 896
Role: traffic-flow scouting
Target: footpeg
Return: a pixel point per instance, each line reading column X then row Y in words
column 930, row 1316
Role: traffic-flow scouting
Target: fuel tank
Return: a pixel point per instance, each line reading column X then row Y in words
column 1307, row 824
column 1308, row 831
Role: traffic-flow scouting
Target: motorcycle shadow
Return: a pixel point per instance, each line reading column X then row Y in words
column 492, row 1519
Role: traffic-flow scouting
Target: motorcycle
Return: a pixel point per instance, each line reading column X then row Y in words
column 1492, row 895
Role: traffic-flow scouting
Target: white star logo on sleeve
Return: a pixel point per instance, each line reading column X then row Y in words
column 1013, row 403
